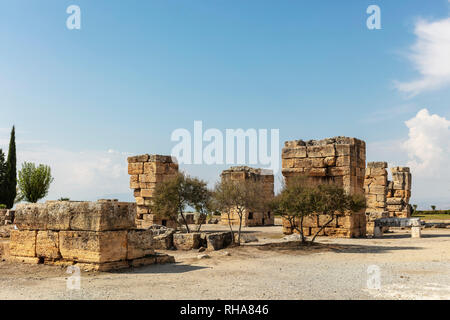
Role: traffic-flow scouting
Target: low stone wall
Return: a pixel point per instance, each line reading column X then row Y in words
column 94, row 235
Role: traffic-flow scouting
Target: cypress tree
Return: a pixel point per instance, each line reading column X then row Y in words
column 11, row 172
column 2, row 178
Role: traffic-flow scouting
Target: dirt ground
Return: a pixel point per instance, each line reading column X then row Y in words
column 334, row 269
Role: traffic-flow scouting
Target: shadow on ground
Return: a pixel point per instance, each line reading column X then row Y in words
column 172, row 268
column 408, row 235
column 299, row 248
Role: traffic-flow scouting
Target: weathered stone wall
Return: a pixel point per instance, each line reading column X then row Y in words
column 146, row 172
column 251, row 217
column 340, row 160
column 375, row 185
column 95, row 235
column 399, row 193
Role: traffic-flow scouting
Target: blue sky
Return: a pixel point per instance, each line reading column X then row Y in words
column 138, row 70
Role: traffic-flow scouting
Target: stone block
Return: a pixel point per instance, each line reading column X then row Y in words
column 47, row 244
column 164, row 258
column 215, row 241
column 186, row 241
column 143, row 261
column 135, row 168
column 377, row 165
column 31, row 216
column 102, row 216
column 343, row 150
column 93, row 247
column 139, row 158
column 416, row 232
column 321, row 151
column 23, row 243
column 294, row 152
column 140, row 243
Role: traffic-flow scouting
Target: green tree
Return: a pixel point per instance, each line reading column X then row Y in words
column 302, row 198
column 11, row 172
column 173, row 196
column 332, row 199
column 296, row 201
column 239, row 196
column 414, row 207
column 34, row 182
column 433, row 207
column 3, row 191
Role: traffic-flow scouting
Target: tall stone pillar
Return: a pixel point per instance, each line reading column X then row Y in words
column 340, row 160
column 146, row 172
column 375, row 186
column 399, row 193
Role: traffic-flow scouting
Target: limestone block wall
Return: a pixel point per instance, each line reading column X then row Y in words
column 375, row 186
column 339, row 160
column 94, row 235
column 146, row 172
column 251, row 217
column 399, row 193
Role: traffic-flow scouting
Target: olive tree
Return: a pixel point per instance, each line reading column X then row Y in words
column 173, row 196
column 239, row 196
column 303, row 197
column 295, row 202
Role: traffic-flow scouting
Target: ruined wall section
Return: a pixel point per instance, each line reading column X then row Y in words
column 146, row 172
column 399, row 193
column 340, row 160
column 376, row 187
column 251, row 218
column 94, row 235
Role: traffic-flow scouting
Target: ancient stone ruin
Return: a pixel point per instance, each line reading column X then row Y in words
column 399, row 193
column 386, row 198
column 340, row 160
column 251, row 217
column 94, row 235
column 146, row 172
column 375, row 186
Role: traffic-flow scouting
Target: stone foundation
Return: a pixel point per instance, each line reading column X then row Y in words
column 94, row 235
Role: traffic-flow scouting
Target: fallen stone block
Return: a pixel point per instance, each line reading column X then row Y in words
column 140, row 243
column 186, row 241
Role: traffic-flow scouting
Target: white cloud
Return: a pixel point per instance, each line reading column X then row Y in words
column 430, row 56
column 426, row 151
column 428, row 145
